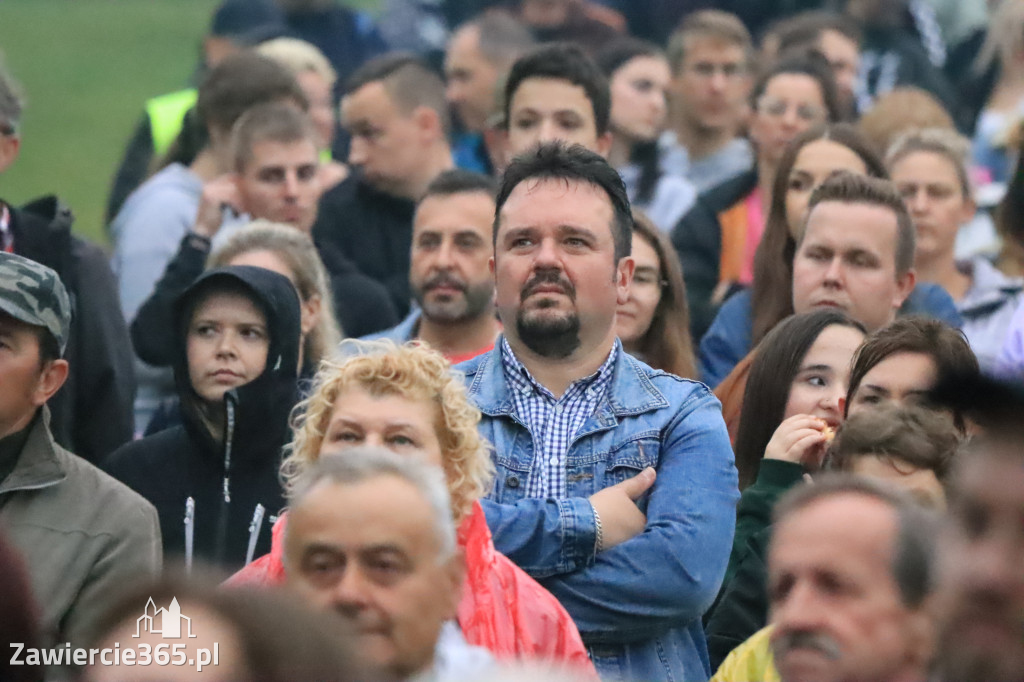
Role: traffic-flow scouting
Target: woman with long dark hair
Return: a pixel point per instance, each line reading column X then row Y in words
column 638, row 77
column 746, row 318
column 654, row 324
column 791, row 408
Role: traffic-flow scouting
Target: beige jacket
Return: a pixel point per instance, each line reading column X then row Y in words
column 85, row 537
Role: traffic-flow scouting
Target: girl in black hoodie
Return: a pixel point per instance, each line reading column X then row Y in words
column 214, row 479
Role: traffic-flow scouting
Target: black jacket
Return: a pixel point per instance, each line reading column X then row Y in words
column 92, row 412
column 698, row 241
column 371, row 229
column 225, row 480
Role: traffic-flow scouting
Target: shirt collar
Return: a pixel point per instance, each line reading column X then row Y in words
column 523, row 381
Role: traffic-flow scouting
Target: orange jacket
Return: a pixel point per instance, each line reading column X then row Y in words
column 502, row 608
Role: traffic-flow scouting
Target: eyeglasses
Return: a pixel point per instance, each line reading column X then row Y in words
column 771, row 106
column 648, row 279
column 709, row 69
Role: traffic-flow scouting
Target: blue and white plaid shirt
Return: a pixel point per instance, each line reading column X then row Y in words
column 553, row 422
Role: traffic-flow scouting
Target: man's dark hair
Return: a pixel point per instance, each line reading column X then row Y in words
column 563, row 61
column 914, row 551
column 923, row 439
column 575, row 163
column 49, row 349
column 459, row 181
column 273, row 122
column 241, row 82
column 409, row 82
column 810, row 64
column 710, row 24
column 502, row 37
column 946, row 347
column 852, row 188
column 804, row 30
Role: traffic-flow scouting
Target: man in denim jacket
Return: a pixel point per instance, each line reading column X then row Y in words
column 616, row 486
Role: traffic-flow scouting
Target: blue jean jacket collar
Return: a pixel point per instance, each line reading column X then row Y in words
column 631, row 390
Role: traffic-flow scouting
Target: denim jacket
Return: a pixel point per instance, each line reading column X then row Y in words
column 638, row 605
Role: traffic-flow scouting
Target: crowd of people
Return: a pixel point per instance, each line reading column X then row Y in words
column 532, row 339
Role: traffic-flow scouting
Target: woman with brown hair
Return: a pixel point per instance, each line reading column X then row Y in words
column 406, row 399
column 654, row 324
column 747, row 317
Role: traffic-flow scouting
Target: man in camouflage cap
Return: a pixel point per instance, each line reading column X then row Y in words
column 34, row 294
column 83, row 535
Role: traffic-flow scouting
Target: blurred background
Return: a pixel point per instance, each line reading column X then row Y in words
column 87, row 67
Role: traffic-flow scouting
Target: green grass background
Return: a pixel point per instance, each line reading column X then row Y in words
column 86, row 68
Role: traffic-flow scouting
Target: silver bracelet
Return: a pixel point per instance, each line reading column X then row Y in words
column 599, row 532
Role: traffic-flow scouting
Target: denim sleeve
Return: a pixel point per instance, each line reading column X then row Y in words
column 669, row 574
column 544, row 537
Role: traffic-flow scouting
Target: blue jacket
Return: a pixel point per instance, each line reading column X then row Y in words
column 401, row 333
column 728, row 340
column 638, row 605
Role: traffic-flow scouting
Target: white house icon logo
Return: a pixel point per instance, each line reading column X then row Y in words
column 163, row 622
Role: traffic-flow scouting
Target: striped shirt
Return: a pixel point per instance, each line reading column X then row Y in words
column 553, row 422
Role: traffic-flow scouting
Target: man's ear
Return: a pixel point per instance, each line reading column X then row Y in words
column 51, row 378
column 604, row 144
column 496, row 142
column 455, row 574
column 920, row 630
column 904, row 286
column 311, row 311
column 624, row 278
column 428, row 122
column 10, row 146
column 970, row 208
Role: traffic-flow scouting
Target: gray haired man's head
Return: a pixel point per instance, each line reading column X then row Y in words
column 33, row 293
column 362, row 464
column 11, row 102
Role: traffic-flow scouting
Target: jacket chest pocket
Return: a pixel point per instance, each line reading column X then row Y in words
column 629, row 459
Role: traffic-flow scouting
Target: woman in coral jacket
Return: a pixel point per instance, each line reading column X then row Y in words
column 406, row 399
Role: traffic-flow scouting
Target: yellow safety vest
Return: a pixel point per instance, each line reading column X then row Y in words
column 166, row 114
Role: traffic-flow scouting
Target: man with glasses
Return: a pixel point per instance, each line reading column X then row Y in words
column 718, row 238
column 710, row 56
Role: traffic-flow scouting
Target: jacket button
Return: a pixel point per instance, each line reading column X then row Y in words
column 512, row 481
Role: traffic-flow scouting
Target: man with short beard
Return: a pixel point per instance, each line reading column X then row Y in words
column 581, row 430
column 448, row 272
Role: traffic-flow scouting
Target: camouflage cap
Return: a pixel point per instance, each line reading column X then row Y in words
column 34, row 294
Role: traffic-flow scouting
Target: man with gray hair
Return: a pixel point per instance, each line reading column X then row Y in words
column 370, row 535
column 83, row 535
column 479, row 55
column 849, row 601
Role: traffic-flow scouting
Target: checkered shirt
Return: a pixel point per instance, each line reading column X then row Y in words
column 553, row 422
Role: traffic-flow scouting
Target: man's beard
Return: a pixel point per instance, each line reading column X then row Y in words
column 548, row 337
column 470, row 303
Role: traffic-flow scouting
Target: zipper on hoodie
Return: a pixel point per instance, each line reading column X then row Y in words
column 225, row 501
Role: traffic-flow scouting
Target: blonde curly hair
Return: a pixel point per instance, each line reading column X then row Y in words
column 412, row 371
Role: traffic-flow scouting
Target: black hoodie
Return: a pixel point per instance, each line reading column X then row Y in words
column 185, row 472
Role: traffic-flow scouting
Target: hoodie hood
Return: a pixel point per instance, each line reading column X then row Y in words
column 257, row 412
